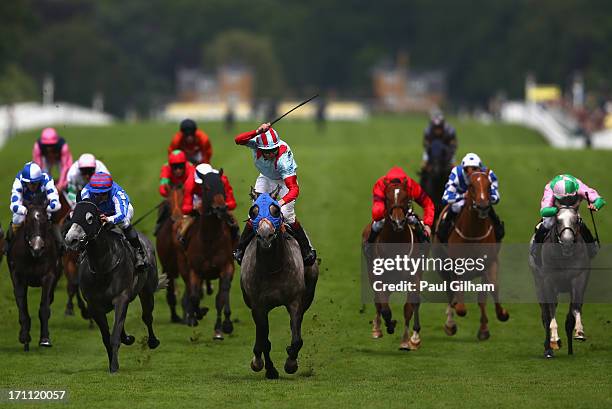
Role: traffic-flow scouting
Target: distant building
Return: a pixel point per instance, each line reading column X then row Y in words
column 231, row 84
column 397, row 89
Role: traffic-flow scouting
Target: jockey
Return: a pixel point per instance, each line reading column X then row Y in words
column 50, row 150
column 566, row 190
column 415, row 192
column 193, row 195
column 454, row 195
column 114, row 203
column 193, row 141
column 439, row 129
column 274, row 160
column 79, row 175
column 176, row 173
column 30, row 182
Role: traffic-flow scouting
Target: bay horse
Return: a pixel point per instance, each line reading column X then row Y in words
column 33, row 261
column 209, row 256
column 565, row 267
column 401, row 227
column 435, row 174
column 108, row 277
column 70, row 263
column 170, row 251
column 273, row 275
column 473, row 226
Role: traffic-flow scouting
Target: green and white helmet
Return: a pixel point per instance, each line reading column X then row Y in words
column 564, row 185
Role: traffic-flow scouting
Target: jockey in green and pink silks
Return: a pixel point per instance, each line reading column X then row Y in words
column 566, row 190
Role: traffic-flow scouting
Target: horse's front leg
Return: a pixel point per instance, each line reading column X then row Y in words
column 223, row 301
column 21, row 298
column 578, row 328
column 262, row 343
column 171, row 300
column 100, row 318
column 483, row 330
column 491, row 277
column 194, row 289
column 547, row 316
column 147, row 302
column 408, row 312
column 44, row 311
column 121, row 303
column 296, row 314
column 384, row 310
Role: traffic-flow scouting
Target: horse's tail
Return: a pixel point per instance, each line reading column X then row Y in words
column 162, row 282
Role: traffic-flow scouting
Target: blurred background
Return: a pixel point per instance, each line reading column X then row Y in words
column 544, row 64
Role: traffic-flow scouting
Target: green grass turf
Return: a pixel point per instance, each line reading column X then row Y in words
column 340, row 365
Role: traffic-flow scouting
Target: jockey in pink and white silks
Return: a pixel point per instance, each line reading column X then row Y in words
column 52, row 150
column 278, row 169
column 454, row 195
column 29, row 183
column 79, row 175
column 566, row 190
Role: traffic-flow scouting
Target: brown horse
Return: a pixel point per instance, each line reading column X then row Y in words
column 401, row 226
column 33, row 262
column 70, row 263
column 209, row 255
column 170, row 251
column 474, row 227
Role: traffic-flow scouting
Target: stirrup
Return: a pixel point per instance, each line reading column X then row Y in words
column 238, row 256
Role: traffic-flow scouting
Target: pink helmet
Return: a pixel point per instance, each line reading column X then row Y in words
column 49, row 136
column 87, row 160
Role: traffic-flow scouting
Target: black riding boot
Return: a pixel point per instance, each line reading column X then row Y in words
column 308, row 253
column 245, row 238
column 445, row 225
column 132, row 236
column 589, row 240
column 498, row 225
column 538, row 239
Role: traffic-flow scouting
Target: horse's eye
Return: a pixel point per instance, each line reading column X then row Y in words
column 274, row 210
column 89, row 218
column 254, row 211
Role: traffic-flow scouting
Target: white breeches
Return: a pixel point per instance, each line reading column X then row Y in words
column 264, row 184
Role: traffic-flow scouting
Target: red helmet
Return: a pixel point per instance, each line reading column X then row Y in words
column 176, row 157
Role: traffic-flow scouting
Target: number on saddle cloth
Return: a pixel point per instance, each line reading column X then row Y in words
column 265, row 208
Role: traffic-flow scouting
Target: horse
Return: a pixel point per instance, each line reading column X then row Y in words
column 473, row 226
column 170, row 251
column 401, row 226
column 108, row 278
column 33, row 261
column 565, row 267
column 209, row 256
column 435, row 173
column 273, row 275
column 70, row 263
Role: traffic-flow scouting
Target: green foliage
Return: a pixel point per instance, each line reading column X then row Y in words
column 16, row 86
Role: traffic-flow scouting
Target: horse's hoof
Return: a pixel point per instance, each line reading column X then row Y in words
column 414, row 345
column 113, row 369
column 45, row 342
column 175, row 319
column 202, row 313
column 579, row 336
column 26, row 347
column 291, row 366
column 271, row 373
column 69, row 312
column 128, row 340
column 218, row 336
column 503, row 316
column 391, row 327
column 483, row 335
column 462, row 312
column 548, row 354
column 228, row 326
column 555, row 345
column 192, row 321
column 257, row 364
column 377, row 333
column 450, row 331
column 404, row 346
column 153, row 343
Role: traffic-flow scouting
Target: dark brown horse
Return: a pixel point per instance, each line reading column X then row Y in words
column 170, row 251
column 474, row 227
column 401, row 226
column 34, row 262
column 209, row 255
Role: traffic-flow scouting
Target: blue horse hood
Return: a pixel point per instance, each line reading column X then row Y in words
column 263, row 203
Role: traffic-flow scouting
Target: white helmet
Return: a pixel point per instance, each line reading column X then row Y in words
column 201, row 170
column 471, row 159
column 87, row 160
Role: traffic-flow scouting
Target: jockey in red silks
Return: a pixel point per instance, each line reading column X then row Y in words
column 278, row 169
column 415, row 192
column 176, row 173
column 193, row 141
column 50, row 150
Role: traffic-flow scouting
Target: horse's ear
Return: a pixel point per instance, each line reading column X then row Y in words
column 275, row 192
column 220, row 172
column 253, row 193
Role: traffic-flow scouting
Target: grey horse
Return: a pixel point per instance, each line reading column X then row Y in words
column 564, row 268
column 273, row 275
column 108, row 278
